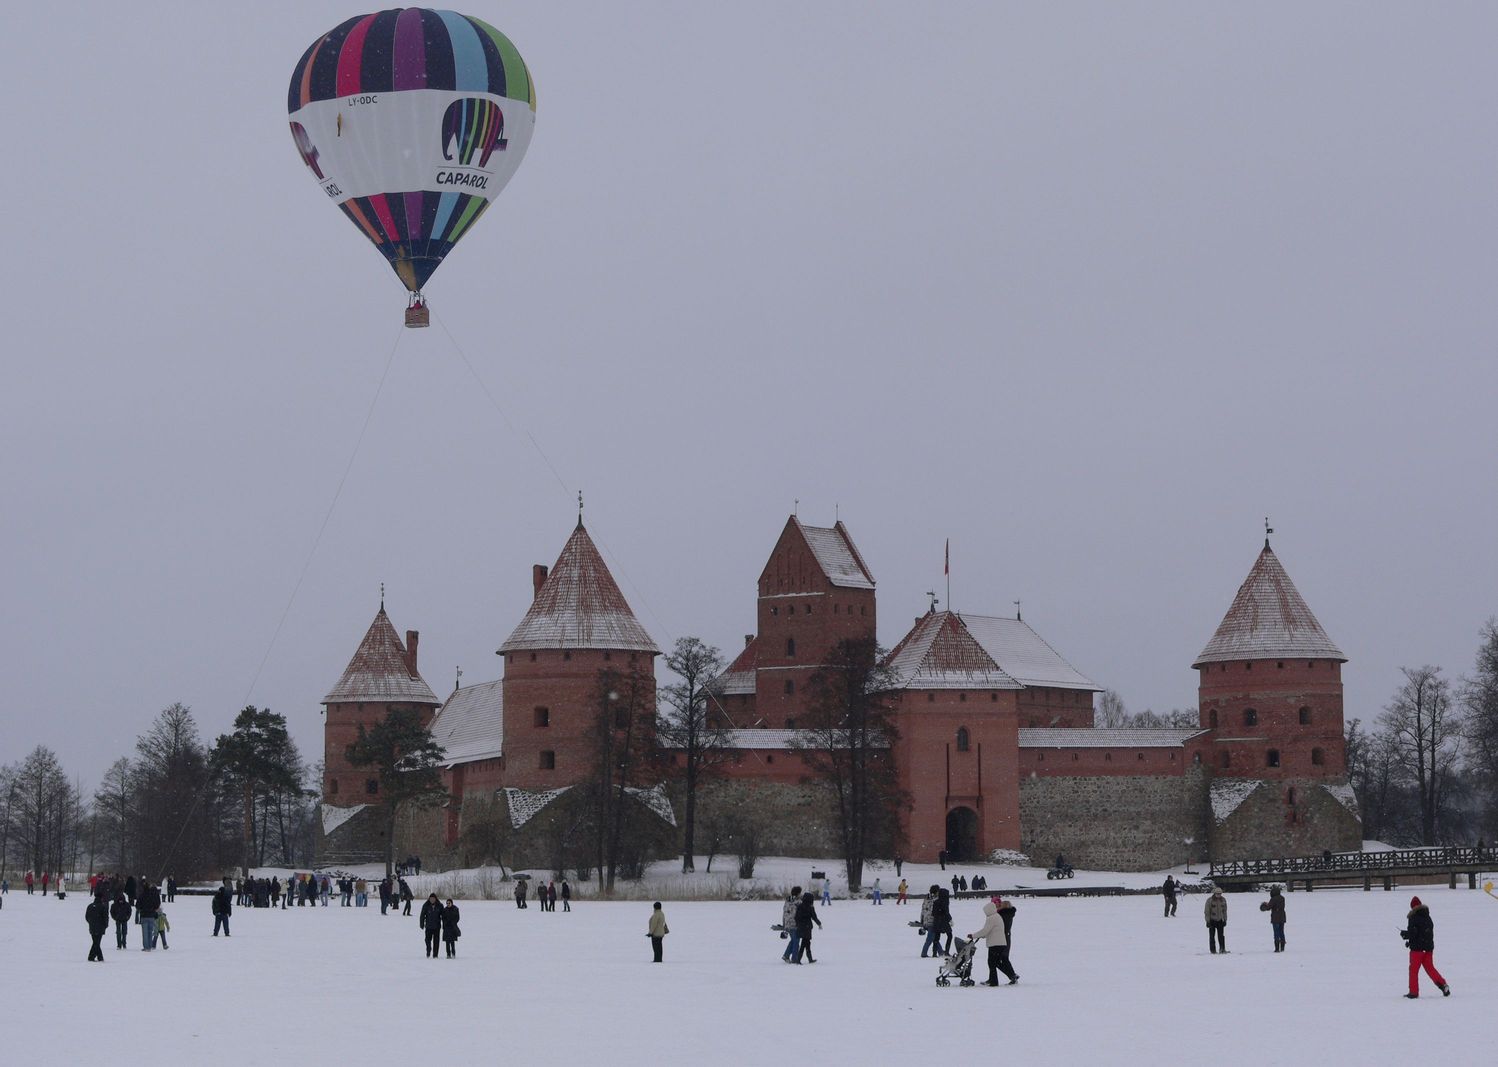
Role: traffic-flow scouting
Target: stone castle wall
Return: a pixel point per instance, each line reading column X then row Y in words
column 1296, row 817
column 1116, row 823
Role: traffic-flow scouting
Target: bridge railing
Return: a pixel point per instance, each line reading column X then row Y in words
column 1360, row 863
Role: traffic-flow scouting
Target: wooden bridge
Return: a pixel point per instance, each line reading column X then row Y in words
column 1348, row 868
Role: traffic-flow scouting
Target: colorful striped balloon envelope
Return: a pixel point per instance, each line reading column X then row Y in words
column 412, row 121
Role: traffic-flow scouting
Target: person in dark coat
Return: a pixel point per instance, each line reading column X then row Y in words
column 450, row 931
column 1419, row 935
column 1170, row 896
column 1275, row 906
column 806, row 916
column 1006, row 912
column 551, row 896
column 520, row 893
column 130, row 889
column 566, row 895
column 223, row 907
column 941, row 921
column 120, row 911
column 97, row 917
column 171, row 888
column 430, row 921
column 406, row 897
column 147, row 906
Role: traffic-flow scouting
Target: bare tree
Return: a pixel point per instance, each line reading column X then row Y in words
column 112, row 805
column 1480, row 701
column 1110, row 713
column 849, row 745
column 623, row 738
column 690, row 727
column 1425, row 726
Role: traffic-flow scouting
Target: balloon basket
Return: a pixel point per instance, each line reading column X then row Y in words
column 418, row 316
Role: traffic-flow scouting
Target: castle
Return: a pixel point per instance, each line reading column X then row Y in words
column 995, row 747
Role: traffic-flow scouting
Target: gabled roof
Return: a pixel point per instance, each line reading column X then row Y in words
column 833, row 549
column 1022, row 654
column 940, row 653
column 738, row 678
column 1127, row 737
column 1268, row 619
column 580, row 606
column 379, row 672
column 471, row 725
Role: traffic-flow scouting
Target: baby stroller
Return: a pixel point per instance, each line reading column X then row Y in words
column 959, row 965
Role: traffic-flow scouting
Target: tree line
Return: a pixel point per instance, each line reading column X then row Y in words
column 1425, row 772
column 176, row 805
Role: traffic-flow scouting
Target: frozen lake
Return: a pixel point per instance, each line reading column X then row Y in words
column 1107, row 979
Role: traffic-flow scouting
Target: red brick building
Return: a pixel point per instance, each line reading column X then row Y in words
column 996, row 747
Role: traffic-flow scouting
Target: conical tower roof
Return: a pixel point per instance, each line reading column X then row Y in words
column 1268, row 620
column 579, row 605
column 381, row 671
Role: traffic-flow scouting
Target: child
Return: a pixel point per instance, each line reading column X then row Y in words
column 162, row 926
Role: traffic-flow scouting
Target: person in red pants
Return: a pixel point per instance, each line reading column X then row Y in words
column 1419, row 935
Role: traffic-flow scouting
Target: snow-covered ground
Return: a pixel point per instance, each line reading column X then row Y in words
column 1107, row 979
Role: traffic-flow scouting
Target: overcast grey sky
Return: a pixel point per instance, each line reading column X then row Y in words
column 1089, row 289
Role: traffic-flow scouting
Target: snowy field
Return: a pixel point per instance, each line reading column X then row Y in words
column 1105, row 979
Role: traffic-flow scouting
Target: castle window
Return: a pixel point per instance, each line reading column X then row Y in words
column 372, row 787
column 1107, row 757
column 1074, row 757
column 790, row 648
column 1280, row 665
column 541, row 716
column 993, row 697
column 1250, row 717
column 607, row 656
column 962, row 739
column 1227, row 760
column 566, row 655
column 1305, row 716
column 862, row 609
column 1248, row 666
column 333, row 787
column 790, row 687
column 962, row 698
column 1318, row 757
column 930, row 698
column 836, row 609
column 1196, row 758
column 548, row 760
column 633, row 656
column 790, row 609
column 1290, row 795
column 1141, row 756
column 621, row 718
column 1272, row 758
column 774, row 610
column 1212, row 718
column 770, row 758
column 1172, row 757
column 808, row 609
column 790, row 724
column 533, row 657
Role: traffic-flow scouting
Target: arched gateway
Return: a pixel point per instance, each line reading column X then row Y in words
column 962, row 835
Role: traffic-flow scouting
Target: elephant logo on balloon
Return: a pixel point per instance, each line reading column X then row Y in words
column 306, row 148
column 473, row 126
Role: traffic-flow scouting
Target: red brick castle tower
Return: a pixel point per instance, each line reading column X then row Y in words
column 1270, row 692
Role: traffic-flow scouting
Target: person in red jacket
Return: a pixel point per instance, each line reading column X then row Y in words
column 1419, row 934
column 30, row 884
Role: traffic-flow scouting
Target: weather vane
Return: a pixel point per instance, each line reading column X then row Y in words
column 934, row 601
column 1267, row 531
column 1017, row 616
column 382, row 596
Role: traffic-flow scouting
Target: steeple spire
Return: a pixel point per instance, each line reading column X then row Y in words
column 1267, row 531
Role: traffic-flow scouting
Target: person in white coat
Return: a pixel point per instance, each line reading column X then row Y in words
column 993, row 932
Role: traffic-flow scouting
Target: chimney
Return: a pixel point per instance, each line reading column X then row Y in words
column 411, row 638
column 538, row 579
column 748, row 640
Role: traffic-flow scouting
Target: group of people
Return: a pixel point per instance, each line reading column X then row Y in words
column 547, row 894
column 116, row 900
column 439, row 921
column 996, row 931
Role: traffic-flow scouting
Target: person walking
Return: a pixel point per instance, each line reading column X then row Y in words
column 384, row 895
column 62, row 886
column 171, row 888
column 566, row 895
column 97, row 917
column 30, row 884
column 222, row 908
column 788, row 924
column 929, row 921
column 878, row 896
column 450, row 931
column 120, row 911
column 806, row 916
column 520, row 893
column 827, row 892
column 162, row 926
column 46, row 881
column 406, row 897
column 657, row 930
column 899, row 865
column 147, row 906
column 1169, row 890
column 902, row 889
column 430, row 921
column 1216, row 913
column 1275, row 906
column 992, row 931
column 1419, row 935
column 1006, row 913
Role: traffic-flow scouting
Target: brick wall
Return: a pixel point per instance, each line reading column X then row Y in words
column 1278, row 693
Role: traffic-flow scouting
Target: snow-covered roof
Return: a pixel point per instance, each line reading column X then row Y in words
column 1023, row 654
column 1342, row 793
column 471, row 725
column 579, row 605
column 1087, row 737
column 526, row 804
column 380, row 671
column 1268, row 619
column 334, row 816
column 1228, row 794
column 737, row 678
column 940, row 653
column 765, row 738
column 833, row 548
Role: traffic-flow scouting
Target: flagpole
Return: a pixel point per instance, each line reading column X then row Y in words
column 947, row 566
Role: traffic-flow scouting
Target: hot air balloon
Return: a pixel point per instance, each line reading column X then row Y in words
column 412, row 121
